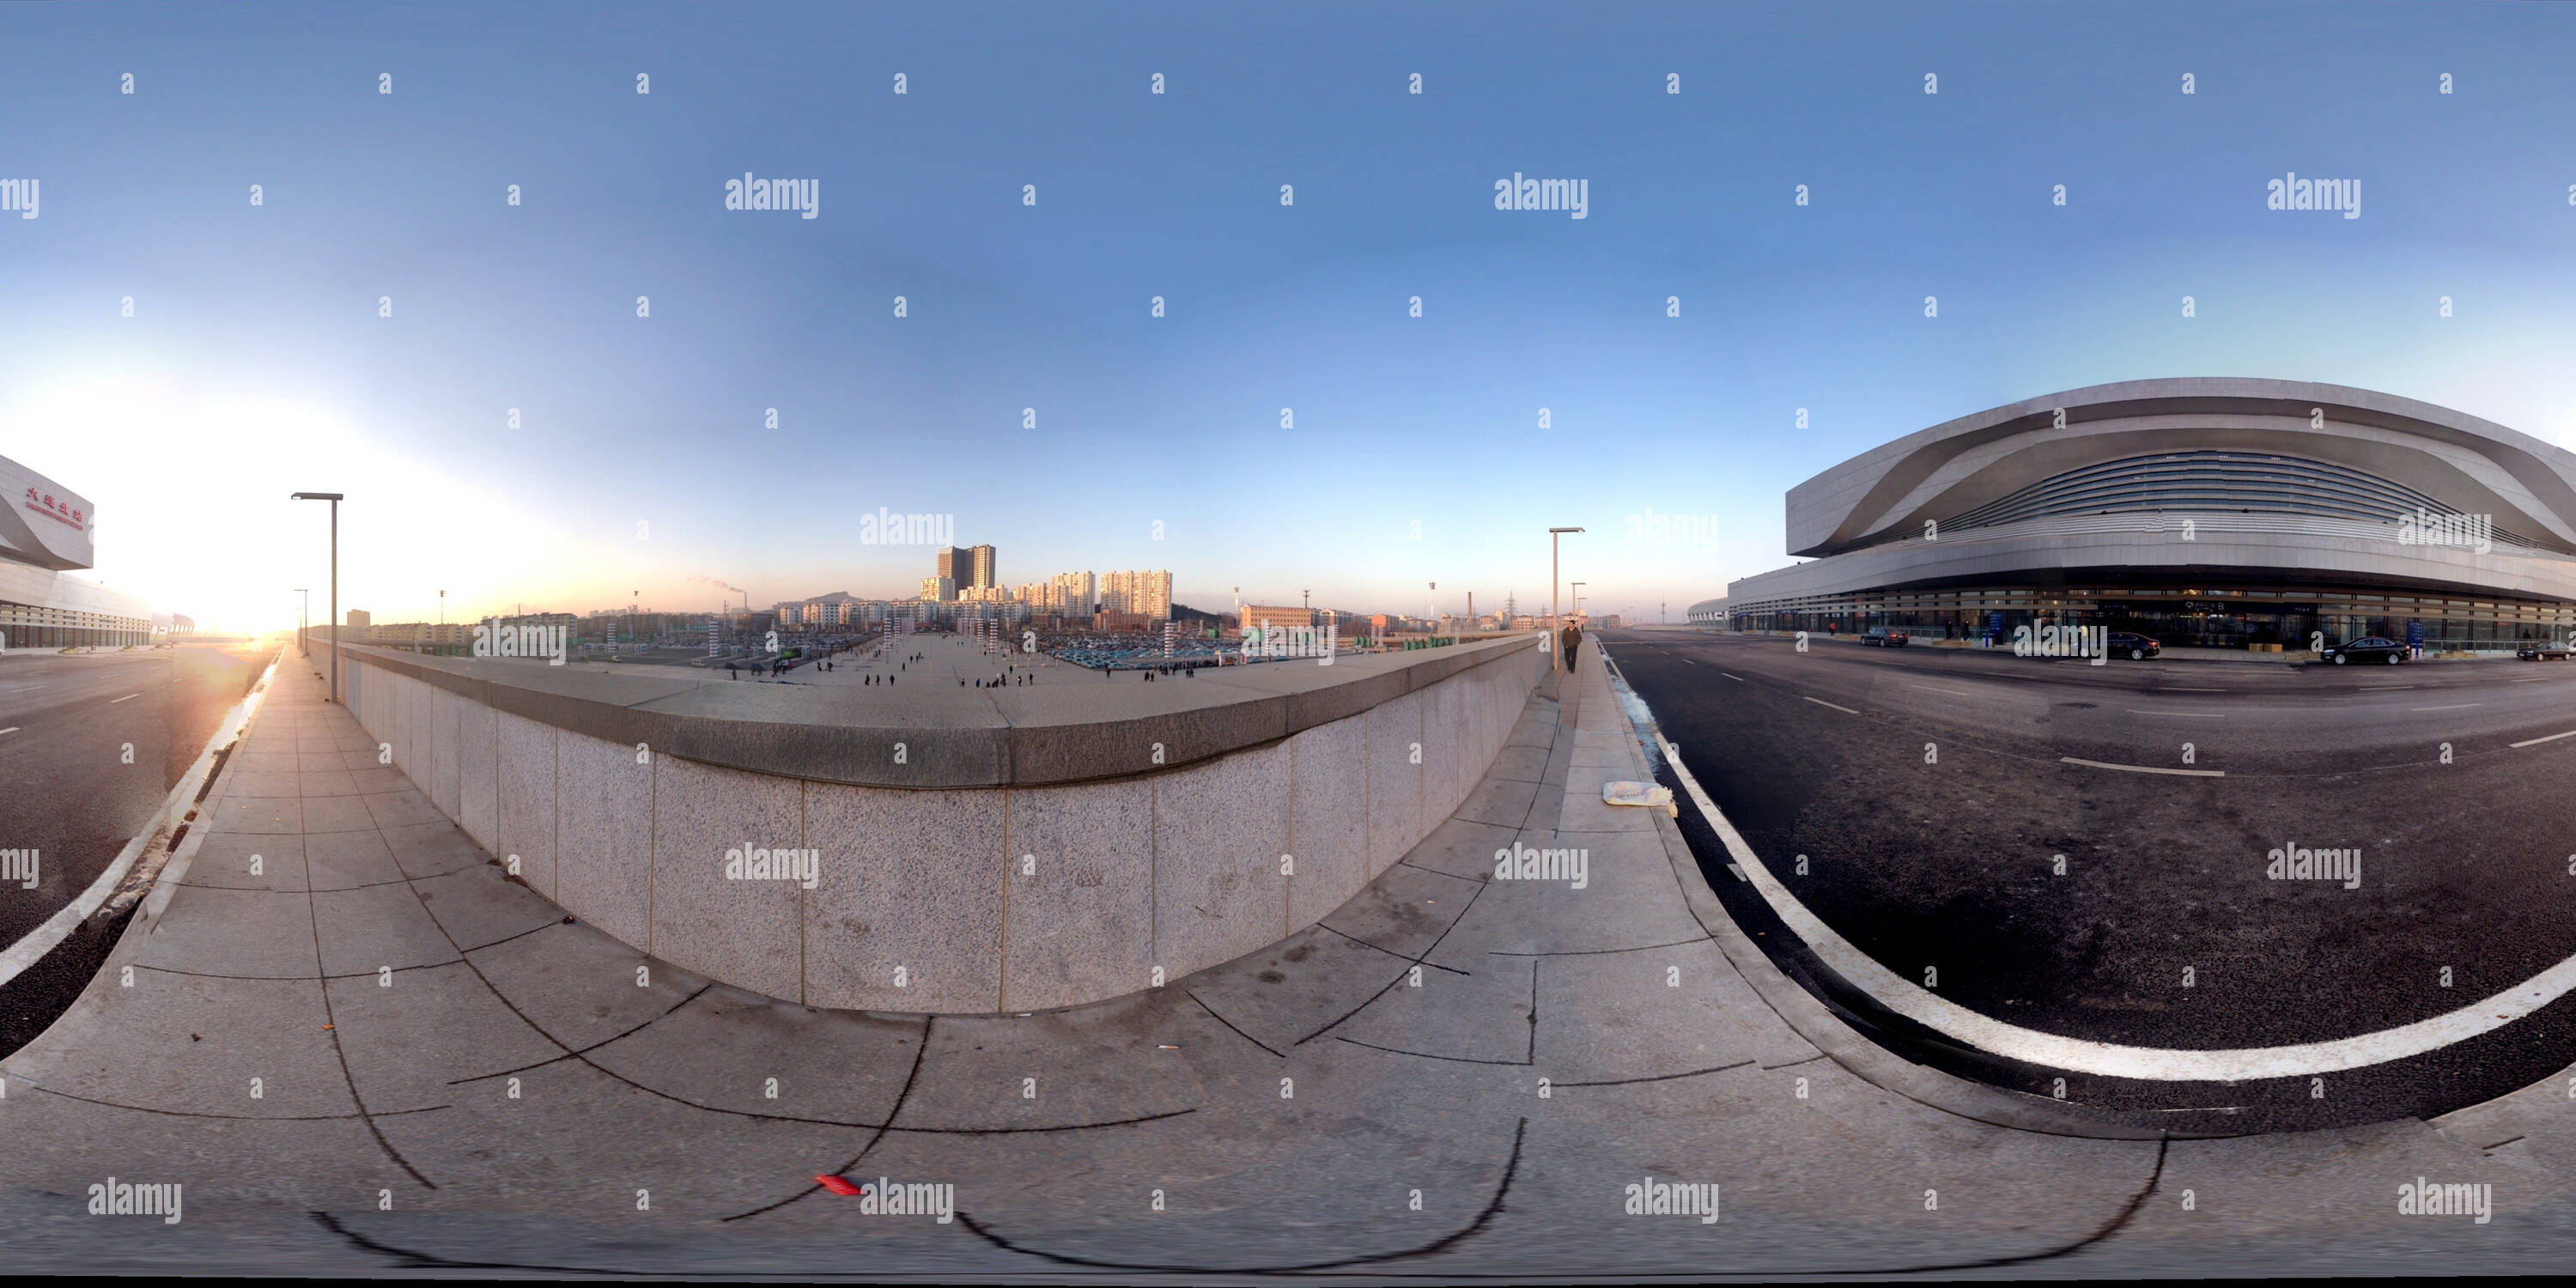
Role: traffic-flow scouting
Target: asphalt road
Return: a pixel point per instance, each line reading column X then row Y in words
column 94, row 743
column 1931, row 791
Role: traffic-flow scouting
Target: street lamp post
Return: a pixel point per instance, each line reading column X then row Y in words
column 334, row 498
column 304, row 624
column 1553, row 534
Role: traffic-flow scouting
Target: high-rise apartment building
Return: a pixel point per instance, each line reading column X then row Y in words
column 980, row 568
column 955, row 565
column 1147, row 594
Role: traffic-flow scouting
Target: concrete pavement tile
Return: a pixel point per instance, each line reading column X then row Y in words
column 328, row 783
column 216, row 931
column 337, row 814
column 1404, row 912
column 226, row 1167
column 268, row 816
column 579, row 1143
column 1481, row 1018
column 262, row 762
column 224, row 860
column 723, row 1049
column 401, row 808
column 1502, row 802
column 578, row 986
column 1288, row 992
column 1650, row 1013
column 264, row 785
column 432, row 849
column 1462, row 847
column 1518, row 763
column 374, row 926
column 408, row 1043
column 976, row 1074
column 347, row 860
column 373, row 778
column 191, row 1044
column 477, row 906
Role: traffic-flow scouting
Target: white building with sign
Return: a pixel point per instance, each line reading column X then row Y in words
column 46, row 532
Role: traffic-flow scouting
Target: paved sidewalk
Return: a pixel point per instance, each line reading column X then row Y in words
column 360, row 1046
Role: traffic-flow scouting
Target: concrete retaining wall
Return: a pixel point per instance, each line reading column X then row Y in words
column 1011, row 897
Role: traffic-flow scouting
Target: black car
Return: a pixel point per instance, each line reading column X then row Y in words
column 2369, row 648
column 2137, row 648
column 1883, row 637
column 2545, row 651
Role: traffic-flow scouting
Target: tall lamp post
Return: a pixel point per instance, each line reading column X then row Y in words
column 1575, row 589
column 1554, row 662
column 334, row 498
column 304, row 624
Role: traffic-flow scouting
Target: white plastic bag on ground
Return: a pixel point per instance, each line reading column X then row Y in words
column 1628, row 793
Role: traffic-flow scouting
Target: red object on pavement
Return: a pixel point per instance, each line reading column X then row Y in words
column 838, row 1186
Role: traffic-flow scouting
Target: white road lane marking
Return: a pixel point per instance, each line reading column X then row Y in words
column 2188, row 715
column 2456, row 706
column 127, row 698
column 2533, row 742
column 1737, row 678
column 1822, row 703
column 2146, row 769
column 1959, row 693
column 2154, row 1064
column 12, row 729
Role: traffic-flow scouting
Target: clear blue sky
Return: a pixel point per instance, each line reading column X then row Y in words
column 256, row 362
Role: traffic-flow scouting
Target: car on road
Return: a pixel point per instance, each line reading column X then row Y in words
column 2543, row 651
column 2369, row 648
column 2136, row 648
column 1882, row 637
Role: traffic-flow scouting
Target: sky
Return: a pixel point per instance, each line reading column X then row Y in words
column 1030, row 392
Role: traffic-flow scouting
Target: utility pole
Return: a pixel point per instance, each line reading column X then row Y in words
column 1553, row 535
column 304, row 627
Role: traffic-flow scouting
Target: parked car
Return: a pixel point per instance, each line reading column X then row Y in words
column 2545, row 651
column 2369, row 648
column 1883, row 637
column 2137, row 648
